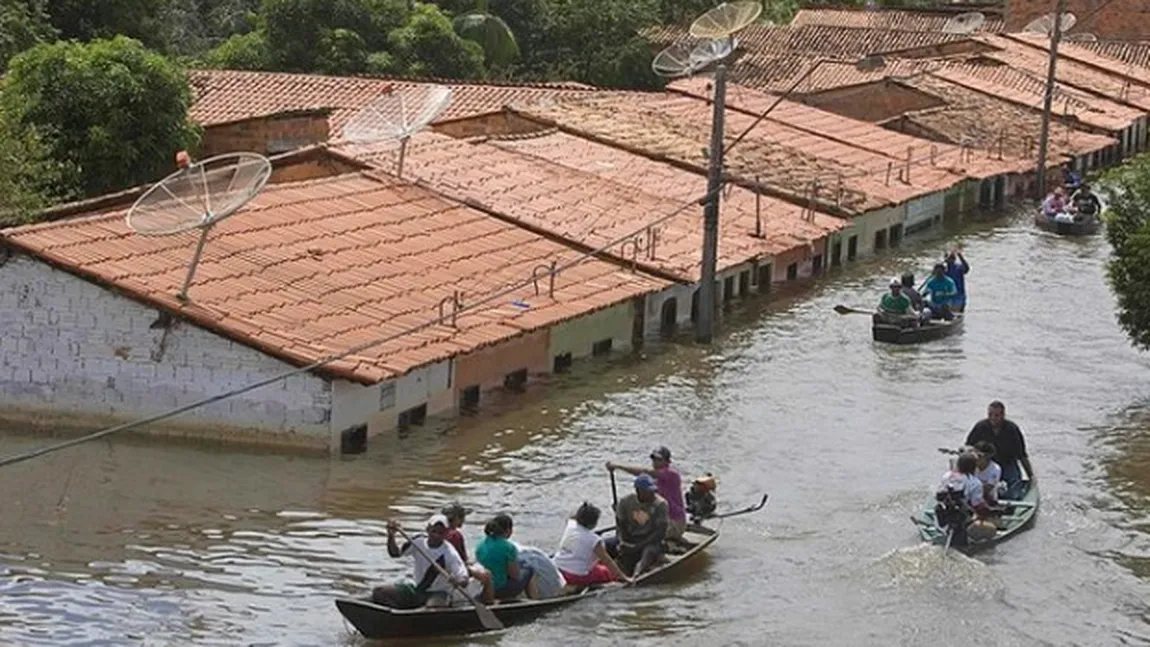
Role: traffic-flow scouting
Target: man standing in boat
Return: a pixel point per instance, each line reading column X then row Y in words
column 957, row 268
column 1009, row 447
column 670, row 487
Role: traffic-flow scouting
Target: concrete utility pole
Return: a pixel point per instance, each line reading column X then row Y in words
column 1048, row 97
column 705, row 326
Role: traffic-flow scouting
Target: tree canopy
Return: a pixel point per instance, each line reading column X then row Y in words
column 111, row 112
column 1128, row 230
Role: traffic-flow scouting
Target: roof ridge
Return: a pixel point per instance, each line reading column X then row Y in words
column 544, row 85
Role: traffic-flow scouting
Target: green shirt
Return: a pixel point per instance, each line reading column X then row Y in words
column 898, row 305
column 494, row 554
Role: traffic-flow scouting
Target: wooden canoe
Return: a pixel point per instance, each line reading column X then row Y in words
column 1018, row 516
column 1086, row 227
column 937, row 329
column 378, row 622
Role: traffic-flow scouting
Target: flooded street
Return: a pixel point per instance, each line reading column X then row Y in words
column 135, row 542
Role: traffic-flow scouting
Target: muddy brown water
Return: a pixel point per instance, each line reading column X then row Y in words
column 133, row 542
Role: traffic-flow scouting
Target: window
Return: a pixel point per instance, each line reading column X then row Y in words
column 516, row 381
column 601, row 347
column 896, row 233
column 744, row 282
column 817, row 264
column 792, row 271
column 880, row 239
column 413, row 416
column 765, row 278
column 852, row 248
column 837, row 253
column 562, row 363
column 469, row 399
column 728, row 288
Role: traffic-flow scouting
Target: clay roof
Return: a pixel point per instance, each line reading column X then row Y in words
column 580, row 207
column 1133, row 54
column 1102, row 58
column 312, row 268
column 924, row 153
column 818, row 39
column 994, row 126
column 882, row 18
column 223, row 96
column 676, row 128
column 780, row 72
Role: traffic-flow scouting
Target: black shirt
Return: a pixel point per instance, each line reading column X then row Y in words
column 1009, row 445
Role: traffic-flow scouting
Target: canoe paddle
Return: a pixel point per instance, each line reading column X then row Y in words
column 843, row 310
column 614, row 491
column 486, row 617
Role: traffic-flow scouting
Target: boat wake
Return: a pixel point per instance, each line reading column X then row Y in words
column 925, row 566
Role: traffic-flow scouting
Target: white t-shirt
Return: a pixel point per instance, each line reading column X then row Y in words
column 969, row 484
column 991, row 475
column 576, row 553
column 451, row 563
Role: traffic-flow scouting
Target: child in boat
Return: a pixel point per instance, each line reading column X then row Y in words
column 582, row 558
column 456, row 514
column 962, row 478
column 989, row 472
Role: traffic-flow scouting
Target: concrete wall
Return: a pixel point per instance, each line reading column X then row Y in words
column 924, row 212
column 319, row 167
column 1106, row 19
column 872, row 102
column 486, row 367
column 494, row 124
column 577, row 336
column 682, row 294
column 78, row 355
column 267, row 135
column 379, row 405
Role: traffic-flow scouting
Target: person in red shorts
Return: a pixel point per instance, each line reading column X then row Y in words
column 582, row 557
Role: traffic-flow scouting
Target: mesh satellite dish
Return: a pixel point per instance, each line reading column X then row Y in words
column 684, row 59
column 1045, row 24
column 197, row 197
column 398, row 115
column 965, row 23
column 726, row 19
column 1082, row 37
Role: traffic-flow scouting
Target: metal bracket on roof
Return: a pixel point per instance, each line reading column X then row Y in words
column 456, row 301
column 889, row 168
column 758, row 211
column 636, row 247
column 933, row 153
column 652, row 241
column 909, row 155
column 812, row 196
column 839, row 193
column 967, row 152
column 1002, row 144
column 550, row 269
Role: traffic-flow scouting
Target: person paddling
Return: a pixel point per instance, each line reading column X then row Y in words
column 670, row 487
column 427, row 584
column 957, row 268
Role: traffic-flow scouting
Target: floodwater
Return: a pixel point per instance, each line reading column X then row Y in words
column 134, row 542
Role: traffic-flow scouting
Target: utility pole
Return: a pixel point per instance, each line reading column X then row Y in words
column 704, row 331
column 1048, row 97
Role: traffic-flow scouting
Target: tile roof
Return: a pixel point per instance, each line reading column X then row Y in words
column 1134, row 54
column 312, row 268
column 223, row 96
column 817, row 39
column 924, row 153
column 1027, row 89
column 883, row 18
column 993, row 125
column 581, row 207
column 813, row 72
column 1102, row 59
column 676, row 128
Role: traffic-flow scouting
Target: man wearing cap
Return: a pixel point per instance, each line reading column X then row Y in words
column 456, row 514
column 670, row 487
column 427, row 583
column 641, row 523
column 895, row 307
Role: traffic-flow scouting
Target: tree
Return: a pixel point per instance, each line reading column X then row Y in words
column 29, row 178
column 240, row 52
column 427, row 46
column 23, row 23
column 110, row 111
column 301, row 32
column 598, row 42
column 490, row 33
column 1128, row 230
column 87, row 20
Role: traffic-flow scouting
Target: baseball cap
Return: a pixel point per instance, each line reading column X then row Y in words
column 455, row 510
column 662, row 453
column 645, row 482
column 438, row 519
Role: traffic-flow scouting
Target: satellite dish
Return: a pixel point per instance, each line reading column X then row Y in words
column 684, row 59
column 726, row 19
column 1082, row 37
column 197, row 197
column 965, row 23
column 1045, row 24
column 397, row 115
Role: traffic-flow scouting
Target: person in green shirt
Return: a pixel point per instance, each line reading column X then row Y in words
column 895, row 307
column 510, row 577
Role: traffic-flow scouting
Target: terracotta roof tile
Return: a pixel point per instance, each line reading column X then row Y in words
column 677, row 127
column 1134, row 55
column 813, row 72
column 817, row 39
column 223, row 96
column 324, row 269
column 588, row 206
column 883, row 18
column 925, row 154
column 1124, row 59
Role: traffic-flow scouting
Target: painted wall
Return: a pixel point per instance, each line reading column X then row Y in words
column 681, row 294
column 577, row 336
column 75, row 354
column 922, row 213
column 486, row 367
column 267, row 135
column 379, row 405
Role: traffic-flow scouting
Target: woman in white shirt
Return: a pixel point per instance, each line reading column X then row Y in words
column 989, row 472
column 582, row 558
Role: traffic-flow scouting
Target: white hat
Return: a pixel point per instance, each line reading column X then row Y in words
column 896, row 281
column 438, row 518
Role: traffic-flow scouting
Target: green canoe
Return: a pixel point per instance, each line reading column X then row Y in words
column 1017, row 516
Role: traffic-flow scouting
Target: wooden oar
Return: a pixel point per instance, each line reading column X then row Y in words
column 614, row 491
column 843, row 310
column 486, row 617
column 949, row 536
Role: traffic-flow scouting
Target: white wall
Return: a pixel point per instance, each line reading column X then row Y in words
column 379, row 405
column 920, row 213
column 72, row 349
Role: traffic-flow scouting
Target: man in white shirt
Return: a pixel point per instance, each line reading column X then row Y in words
column 427, row 584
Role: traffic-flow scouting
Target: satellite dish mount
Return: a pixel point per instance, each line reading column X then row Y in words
column 716, row 30
column 398, row 114
column 198, row 196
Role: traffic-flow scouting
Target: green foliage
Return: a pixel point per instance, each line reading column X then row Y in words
column 597, row 42
column 110, row 111
column 240, row 52
column 1128, row 230
column 427, row 45
column 196, row 26
column 302, row 33
column 491, row 34
column 86, row 20
column 29, row 178
column 23, row 23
